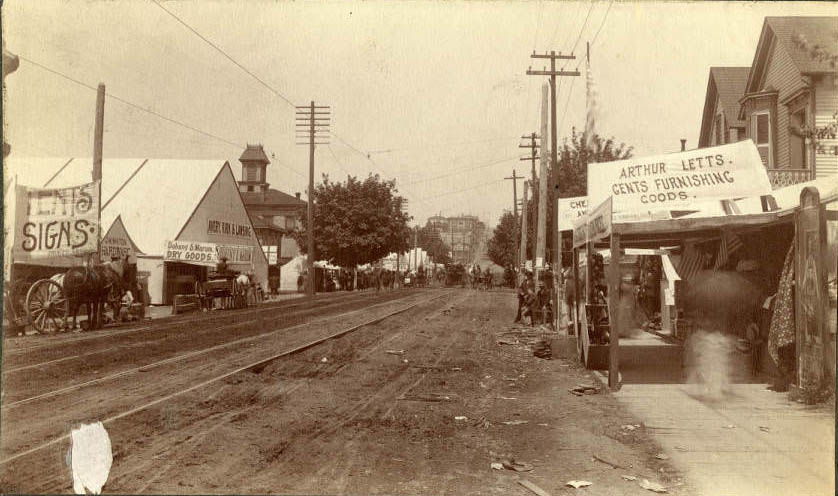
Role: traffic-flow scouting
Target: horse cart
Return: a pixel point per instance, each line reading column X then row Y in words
column 224, row 286
column 35, row 299
column 47, row 298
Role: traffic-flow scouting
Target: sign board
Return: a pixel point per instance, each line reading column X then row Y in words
column 571, row 209
column 57, row 222
column 236, row 254
column 677, row 180
column 228, row 229
column 599, row 221
column 191, row 252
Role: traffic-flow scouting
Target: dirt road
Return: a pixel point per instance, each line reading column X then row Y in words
column 420, row 402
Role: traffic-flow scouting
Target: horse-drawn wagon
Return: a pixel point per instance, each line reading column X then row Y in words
column 46, row 297
column 229, row 287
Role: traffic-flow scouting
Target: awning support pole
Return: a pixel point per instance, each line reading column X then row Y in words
column 614, row 314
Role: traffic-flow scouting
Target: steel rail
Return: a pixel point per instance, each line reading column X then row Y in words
column 225, row 375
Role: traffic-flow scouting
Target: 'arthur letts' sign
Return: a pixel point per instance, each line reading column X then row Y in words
column 677, row 180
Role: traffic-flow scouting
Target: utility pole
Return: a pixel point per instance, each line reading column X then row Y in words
column 541, row 225
column 523, row 251
column 312, row 124
column 415, row 247
column 554, row 157
column 514, row 179
column 534, row 147
column 98, row 136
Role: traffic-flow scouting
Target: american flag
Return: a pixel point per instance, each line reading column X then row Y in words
column 728, row 245
column 693, row 259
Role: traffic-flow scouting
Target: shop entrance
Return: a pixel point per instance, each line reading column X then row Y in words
column 180, row 279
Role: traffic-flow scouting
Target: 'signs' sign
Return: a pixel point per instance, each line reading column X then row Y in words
column 676, row 180
column 56, row 222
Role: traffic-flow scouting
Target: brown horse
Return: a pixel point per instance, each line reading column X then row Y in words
column 97, row 285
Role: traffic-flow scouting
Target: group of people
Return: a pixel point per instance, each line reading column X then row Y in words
column 478, row 279
column 535, row 303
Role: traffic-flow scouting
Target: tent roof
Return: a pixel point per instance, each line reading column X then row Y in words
column 154, row 197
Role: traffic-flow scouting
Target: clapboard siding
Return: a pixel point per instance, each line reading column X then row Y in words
column 826, row 104
column 784, row 76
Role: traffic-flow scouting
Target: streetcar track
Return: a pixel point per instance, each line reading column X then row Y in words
column 225, row 375
column 331, row 304
column 59, row 360
column 177, row 322
column 185, row 356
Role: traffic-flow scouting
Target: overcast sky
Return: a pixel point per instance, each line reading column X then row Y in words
column 435, row 93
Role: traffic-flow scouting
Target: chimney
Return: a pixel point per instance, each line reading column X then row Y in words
column 297, row 194
column 683, row 144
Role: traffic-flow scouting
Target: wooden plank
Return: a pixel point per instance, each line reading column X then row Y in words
column 532, row 487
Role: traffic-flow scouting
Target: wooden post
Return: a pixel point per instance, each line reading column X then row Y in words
column 541, row 226
column 98, row 135
column 576, row 295
column 614, row 313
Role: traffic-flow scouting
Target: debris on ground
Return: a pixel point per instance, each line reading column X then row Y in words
column 578, row 483
column 497, row 466
column 324, row 360
column 423, row 397
column 652, row 486
column 629, row 427
column 730, row 426
column 515, row 422
column 461, row 417
column 661, row 456
column 482, row 422
column 405, row 360
column 582, row 389
column 610, row 464
column 507, row 341
column 394, row 352
column 542, row 349
column 629, row 477
column 532, row 487
column 456, row 369
column 511, row 464
column 764, row 428
column 506, row 398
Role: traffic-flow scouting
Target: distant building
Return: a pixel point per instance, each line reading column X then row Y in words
column 463, row 235
column 275, row 214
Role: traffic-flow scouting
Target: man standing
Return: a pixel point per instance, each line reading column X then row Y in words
column 523, row 290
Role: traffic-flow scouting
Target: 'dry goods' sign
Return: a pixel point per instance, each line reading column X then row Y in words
column 677, row 180
column 56, row 222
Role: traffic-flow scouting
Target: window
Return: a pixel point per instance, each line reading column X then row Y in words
column 797, row 142
column 761, row 134
column 250, row 189
column 252, row 174
column 290, row 223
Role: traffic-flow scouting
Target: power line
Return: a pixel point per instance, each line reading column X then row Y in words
column 422, row 200
column 131, row 104
column 460, row 171
column 449, row 143
column 566, row 103
column 590, row 8
column 603, row 21
column 222, row 52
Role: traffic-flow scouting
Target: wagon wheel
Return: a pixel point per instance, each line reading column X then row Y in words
column 46, row 306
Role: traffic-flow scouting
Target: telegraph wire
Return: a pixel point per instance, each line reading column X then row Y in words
column 222, row 52
column 425, row 199
column 611, row 3
column 131, row 104
column 461, row 171
column 590, row 8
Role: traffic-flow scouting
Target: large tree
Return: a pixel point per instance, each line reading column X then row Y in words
column 505, row 238
column 356, row 222
column 574, row 155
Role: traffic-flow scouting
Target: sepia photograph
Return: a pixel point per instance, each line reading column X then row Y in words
column 426, row 247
